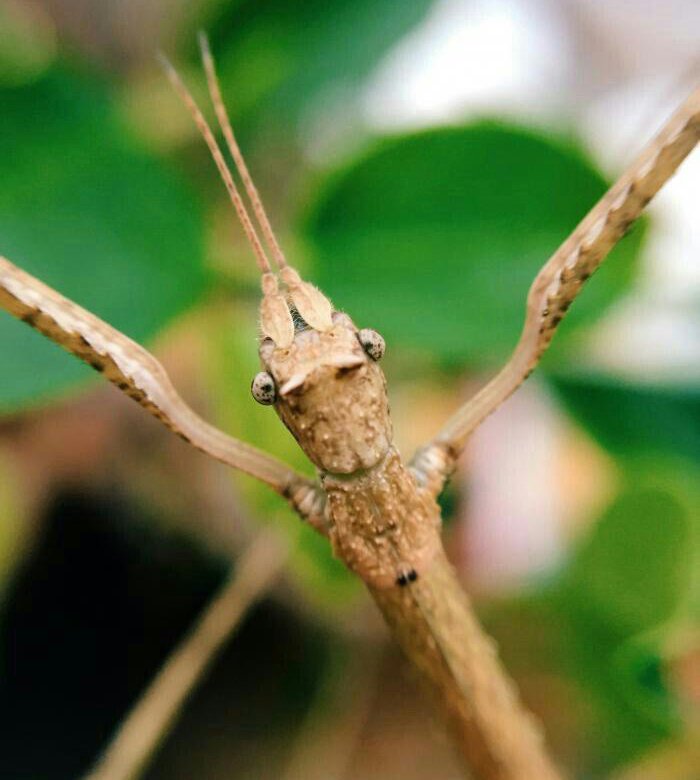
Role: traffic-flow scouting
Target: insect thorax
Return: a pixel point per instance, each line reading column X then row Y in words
column 383, row 525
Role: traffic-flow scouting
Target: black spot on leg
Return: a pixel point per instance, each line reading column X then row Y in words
column 402, row 580
column 412, row 575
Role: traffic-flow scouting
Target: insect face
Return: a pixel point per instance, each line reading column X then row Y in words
column 331, row 396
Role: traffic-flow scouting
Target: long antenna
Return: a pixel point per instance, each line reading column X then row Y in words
column 241, row 167
column 208, row 136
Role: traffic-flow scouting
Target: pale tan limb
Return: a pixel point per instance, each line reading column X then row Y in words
column 145, row 727
column 138, row 374
column 562, row 278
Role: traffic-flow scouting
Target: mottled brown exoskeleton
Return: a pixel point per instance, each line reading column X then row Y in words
column 331, row 395
column 322, row 375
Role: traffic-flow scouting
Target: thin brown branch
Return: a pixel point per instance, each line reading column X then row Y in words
column 153, row 716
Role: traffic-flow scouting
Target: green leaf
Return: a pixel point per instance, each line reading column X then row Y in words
column 279, row 56
column 434, row 238
column 638, row 674
column 634, row 571
column 87, row 211
column 634, row 419
column 605, row 686
column 604, row 626
column 628, row 701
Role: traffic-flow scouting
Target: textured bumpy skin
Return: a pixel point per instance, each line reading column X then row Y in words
column 383, row 525
column 332, row 397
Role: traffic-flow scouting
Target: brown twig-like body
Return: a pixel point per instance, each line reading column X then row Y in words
column 385, row 525
column 435, row 625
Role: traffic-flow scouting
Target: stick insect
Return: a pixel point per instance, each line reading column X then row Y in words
column 321, row 374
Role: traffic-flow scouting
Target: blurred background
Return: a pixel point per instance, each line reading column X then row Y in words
column 420, row 161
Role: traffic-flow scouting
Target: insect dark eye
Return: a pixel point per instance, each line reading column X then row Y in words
column 263, row 388
column 372, row 343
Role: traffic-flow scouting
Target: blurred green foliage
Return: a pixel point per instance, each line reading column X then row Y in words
column 632, row 419
column 27, row 44
column 624, row 594
column 608, row 620
column 85, row 209
column 649, row 523
column 279, row 57
column 435, row 237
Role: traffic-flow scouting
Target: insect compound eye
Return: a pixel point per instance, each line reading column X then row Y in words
column 263, row 388
column 372, row 343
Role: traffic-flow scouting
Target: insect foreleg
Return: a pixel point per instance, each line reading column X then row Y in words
column 559, row 282
column 140, row 376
